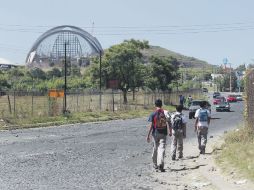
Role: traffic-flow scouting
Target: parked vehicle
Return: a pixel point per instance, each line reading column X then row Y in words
column 218, row 100
column 215, row 94
column 239, row 97
column 204, row 90
column 231, row 98
column 195, row 104
column 223, row 106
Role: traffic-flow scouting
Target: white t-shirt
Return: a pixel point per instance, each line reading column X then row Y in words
column 166, row 113
column 203, row 124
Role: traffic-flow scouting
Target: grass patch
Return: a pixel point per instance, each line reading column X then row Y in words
column 238, row 152
column 71, row 118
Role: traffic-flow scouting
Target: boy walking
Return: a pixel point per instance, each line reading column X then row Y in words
column 178, row 125
column 159, row 129
column 203, row 117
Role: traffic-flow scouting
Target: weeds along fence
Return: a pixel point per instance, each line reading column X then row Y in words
column 249, row 98
column 24, row 104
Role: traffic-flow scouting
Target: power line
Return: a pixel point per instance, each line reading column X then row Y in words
column 159, row 28
column 154, row 26
column 134, row 30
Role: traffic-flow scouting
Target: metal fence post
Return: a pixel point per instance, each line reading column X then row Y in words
column 9, row 103
column 14, row 103
column 32, row 103
column 113, row 100
column 77, row 94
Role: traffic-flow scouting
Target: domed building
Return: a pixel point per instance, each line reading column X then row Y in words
column 63, row 42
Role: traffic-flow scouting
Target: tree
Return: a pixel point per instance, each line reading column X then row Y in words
column 241, row 68
column 75, row 70
column 163, row 71
column 225, row 82
column 123, row 62
column 38, row 73
column 4, row 84
column 16, row 72
column 250, row 66
column 55, row 72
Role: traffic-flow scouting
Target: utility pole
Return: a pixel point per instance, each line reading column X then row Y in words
column 214, row 76
column 230, row 79
column 65, row 77
column 225, row 61
column 100, row 82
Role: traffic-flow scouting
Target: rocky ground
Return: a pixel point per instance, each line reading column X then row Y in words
column 199, row 172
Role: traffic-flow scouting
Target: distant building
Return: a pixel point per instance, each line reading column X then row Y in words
column 60, row 43
column 214, row 76
column 6, row 64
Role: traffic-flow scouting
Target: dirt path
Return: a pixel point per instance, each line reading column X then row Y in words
column 198, row 172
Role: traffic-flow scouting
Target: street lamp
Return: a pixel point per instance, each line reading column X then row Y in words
column 65, row 77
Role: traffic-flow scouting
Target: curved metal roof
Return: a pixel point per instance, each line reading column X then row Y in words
column 92, row 41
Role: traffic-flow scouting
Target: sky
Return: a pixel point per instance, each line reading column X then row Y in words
column 210, row 30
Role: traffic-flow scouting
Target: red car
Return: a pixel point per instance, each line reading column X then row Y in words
column 218, row 100
column 231, row 98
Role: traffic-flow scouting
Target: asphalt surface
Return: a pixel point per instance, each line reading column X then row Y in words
column 104, row 155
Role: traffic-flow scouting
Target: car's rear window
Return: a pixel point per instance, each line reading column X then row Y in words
column 196, row 103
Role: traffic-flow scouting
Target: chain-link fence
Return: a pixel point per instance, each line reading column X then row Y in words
column 24, row 104
column 249, row 98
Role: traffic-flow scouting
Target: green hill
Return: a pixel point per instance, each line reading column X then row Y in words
column 185, row 61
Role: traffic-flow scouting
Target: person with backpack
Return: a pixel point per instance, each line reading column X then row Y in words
column 203, row 117
column 159, row 129
column 178, row 125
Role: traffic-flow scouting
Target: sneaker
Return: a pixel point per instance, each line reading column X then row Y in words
column 161, row 168
column 155, row 167
column 173, row 158
column 180, row 157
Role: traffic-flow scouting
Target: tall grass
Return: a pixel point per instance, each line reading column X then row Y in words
column 238, row 152
column 76, row 117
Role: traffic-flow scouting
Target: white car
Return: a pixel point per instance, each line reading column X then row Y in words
column 239, row 98
column 195, row 104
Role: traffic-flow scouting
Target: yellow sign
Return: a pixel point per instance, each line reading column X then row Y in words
column 56, row 93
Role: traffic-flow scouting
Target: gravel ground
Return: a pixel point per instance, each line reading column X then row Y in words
column 103, row 155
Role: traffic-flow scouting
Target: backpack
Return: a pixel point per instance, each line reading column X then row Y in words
column 203, row 115
column 177, row 122
column 160, row 121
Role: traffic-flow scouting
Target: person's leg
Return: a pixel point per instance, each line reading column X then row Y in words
column 204, row 133
column 161, row 152
column 173, row 146
column 180, row 145
column 155, row 150
column 199, row 139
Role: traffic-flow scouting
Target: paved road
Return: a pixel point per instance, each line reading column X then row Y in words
column 223, row 121
column 108, row 155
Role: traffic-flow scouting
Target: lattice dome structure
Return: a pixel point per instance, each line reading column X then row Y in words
column 52, row 46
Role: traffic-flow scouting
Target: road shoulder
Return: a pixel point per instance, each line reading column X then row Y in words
column 198, row 172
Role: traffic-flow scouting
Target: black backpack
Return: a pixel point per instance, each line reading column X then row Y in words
column 177, row 122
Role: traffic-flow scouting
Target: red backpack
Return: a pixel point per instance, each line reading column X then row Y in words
column 160, row 120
